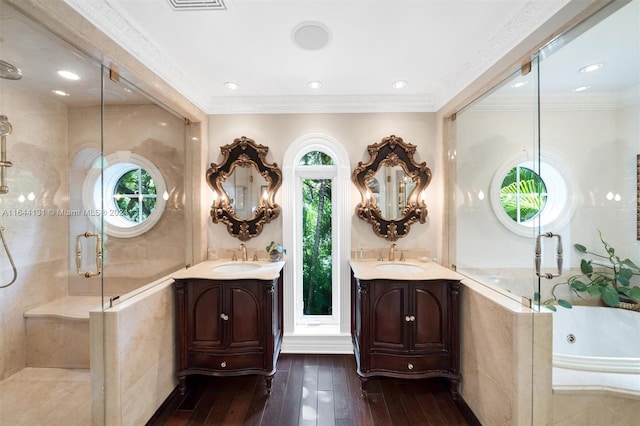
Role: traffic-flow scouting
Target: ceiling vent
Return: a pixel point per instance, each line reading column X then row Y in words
column 197, row 5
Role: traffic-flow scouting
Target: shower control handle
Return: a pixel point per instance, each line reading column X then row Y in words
column 98, row 271
column 538, row 259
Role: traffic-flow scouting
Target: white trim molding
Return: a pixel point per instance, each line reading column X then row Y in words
column 341, row 247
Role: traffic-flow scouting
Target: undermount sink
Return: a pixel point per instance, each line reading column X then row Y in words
column 235, row 267
column 401, row 268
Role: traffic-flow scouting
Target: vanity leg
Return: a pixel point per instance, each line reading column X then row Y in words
column 453, row 388
column 363, row 386
column 269, row 380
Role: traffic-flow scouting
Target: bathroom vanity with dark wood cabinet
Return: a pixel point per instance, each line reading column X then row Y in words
column 406, row 328
column 228, row 327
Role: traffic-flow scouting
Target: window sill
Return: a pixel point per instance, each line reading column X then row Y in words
column 317, row 330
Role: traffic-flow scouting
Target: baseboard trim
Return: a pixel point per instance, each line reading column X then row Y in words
column 318, row 344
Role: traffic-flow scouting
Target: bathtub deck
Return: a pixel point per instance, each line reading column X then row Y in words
column 577, row 381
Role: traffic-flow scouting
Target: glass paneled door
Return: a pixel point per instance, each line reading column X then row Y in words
column 501, row 194
column 142, row 194
column 590, row 133
column 50, row 268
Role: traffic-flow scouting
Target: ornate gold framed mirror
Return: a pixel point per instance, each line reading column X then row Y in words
column 392, row 186
column 244, row 187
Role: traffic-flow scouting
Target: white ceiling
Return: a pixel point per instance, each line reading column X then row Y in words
column 437, row 46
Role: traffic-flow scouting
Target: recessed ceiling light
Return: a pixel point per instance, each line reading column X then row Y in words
column 59, row 93
column 592, row 67
column 68, row 75
column 518, row 84
column 231, row 85
column 399, row 84
column 314, row 84
column 580, row 89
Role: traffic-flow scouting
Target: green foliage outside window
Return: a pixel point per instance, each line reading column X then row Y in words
column 316, row 158
column 523, row 194
column 317, row 259
column 316, row 247
column 135, row 195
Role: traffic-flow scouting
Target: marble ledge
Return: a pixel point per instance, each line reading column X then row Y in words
column 394, row 270
column 231, row 270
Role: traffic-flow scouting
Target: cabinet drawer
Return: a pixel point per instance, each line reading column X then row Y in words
column 409, row 364
column 225, row 362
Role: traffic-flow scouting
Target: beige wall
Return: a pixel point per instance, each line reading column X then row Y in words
column 355, row 132
column 133, row 357
column 36, row 237
column 505, row 358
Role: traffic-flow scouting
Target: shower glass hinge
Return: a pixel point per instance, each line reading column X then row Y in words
column 525, row 69
column 113, row 299
column 527, row 302
column 453, row 117
column 114, row 73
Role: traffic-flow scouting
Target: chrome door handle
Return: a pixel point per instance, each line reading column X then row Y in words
column 98, row 271
column 548, row 275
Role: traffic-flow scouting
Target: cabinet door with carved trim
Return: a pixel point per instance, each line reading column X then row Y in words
column 246, row 328
column 430, row 327
column 388, row 309
column 205, row 304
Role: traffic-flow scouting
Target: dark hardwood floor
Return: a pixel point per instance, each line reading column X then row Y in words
column 312, row 390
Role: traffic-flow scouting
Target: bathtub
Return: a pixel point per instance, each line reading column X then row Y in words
column 596, row 366
column 597, row 339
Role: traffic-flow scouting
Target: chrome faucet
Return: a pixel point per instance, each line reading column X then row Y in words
column 244, row 252
column 392, row 252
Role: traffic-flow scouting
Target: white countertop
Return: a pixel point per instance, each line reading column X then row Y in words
column 260, row 270
column 368, row 270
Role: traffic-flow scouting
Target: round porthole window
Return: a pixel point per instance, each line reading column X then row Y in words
column 523, row 194
column 523, row 197
column 131, row 197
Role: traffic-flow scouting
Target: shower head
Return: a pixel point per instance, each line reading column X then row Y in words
column 8, row 71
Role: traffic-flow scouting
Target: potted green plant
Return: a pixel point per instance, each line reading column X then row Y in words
column 610, row 279
column 275, row 251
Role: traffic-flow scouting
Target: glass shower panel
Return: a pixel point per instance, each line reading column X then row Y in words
column 590, row 126
column 497, row 180
column 590, row 115
column 143, row 191
column 50, row 115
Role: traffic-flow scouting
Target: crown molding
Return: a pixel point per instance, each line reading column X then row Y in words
column 116, row 24
column 526, row 21
column 320, row 104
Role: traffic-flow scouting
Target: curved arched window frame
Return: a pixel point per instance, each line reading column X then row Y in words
column 559, row 203
column 99, row 194
column 295, row 321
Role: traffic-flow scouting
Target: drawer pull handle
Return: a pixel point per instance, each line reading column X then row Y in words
column 223, row 364
column 407, row 318
column 410, row 366
column 225, row 317
column 413, row 318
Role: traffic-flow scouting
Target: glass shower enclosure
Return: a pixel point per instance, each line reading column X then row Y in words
column 92, row 211
column 545, row 164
